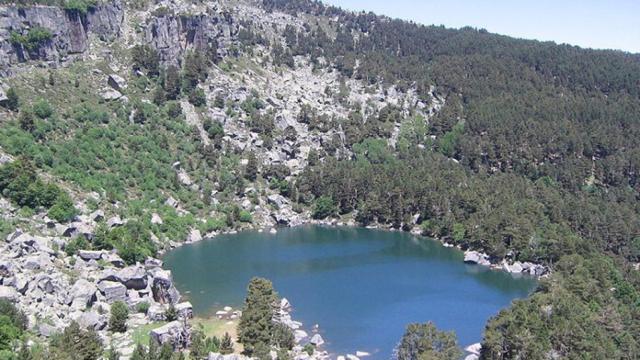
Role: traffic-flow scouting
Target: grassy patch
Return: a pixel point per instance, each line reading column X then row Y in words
column 141, row 333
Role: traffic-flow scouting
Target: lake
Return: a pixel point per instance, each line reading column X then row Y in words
column 362, row 286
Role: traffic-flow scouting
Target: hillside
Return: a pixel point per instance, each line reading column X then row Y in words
column 179, row 120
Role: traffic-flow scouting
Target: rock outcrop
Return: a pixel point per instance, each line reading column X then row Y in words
column 64, row 33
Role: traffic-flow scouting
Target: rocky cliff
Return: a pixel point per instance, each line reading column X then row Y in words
column 64, row 34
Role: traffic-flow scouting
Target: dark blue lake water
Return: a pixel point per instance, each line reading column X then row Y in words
column 361, row 286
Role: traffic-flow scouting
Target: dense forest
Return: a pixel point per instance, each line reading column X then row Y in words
column 535, row 156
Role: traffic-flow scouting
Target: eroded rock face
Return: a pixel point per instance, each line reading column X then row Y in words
column 69, row 31
column 172, row 35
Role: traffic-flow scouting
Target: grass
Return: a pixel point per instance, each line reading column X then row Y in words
column 141, row 333
column 216, row 327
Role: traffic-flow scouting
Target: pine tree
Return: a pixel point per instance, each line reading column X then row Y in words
column 172, row 83
column 226, row 345
column 139, row 353
column 251, row 171
column 425, row 341
column 13, row 101
column 256, row 323
column 119, row 315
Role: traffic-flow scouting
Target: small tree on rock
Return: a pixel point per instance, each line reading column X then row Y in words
column 119, row 315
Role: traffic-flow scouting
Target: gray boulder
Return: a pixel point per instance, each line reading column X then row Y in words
column 316, row 340
column 117, row 82
column 114, row 221
column 163, row 289
column 175, row 333
column 184, row 310
column 474, row 257
column 113, row 291
column 8, row 293
column 133, row 277
column 92, row 320
column 82, row 293
column 87, row 255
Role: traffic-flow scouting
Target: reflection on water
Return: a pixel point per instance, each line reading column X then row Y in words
column 361, row 285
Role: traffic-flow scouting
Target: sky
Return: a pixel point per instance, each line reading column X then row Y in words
column 598, row 24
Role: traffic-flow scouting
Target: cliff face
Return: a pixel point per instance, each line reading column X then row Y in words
column 69, row 31
column 171, row 35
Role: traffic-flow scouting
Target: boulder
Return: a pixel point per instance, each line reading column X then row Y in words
column 117, row 82
column 474, row 257
column 114, row 221
column 163, row 289
column 471, row 357
column 277, row 200
column 171, row 202
column 109, row 94
column 474, row 348
column 82, row 293
column 133, row 277
column 352, row 357
column 316, row 340
column 97, row 215
column 175, row 333
column 152, row 263
column 156, row 219
column 156, row 312
column 114, row 260
column 48, row 330
column 87, row 255
column 194, row 236
column 8, row 293
column 300, row 335
column 184, row 310
column 92, row 320
column 113, row 291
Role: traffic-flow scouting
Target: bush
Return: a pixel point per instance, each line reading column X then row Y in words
column 226, row 345
column 119, row 315
column 78, row 243
column 245, row 216
column 142, row 307
column 12, row 324
column 36, row 36
column 83, row 344
column 13, row 101
column 197, row 97
column 42, row 109
column 323, row 207
column 424, row 341
column 63, row 209
column 79, row 6
column 171, row 314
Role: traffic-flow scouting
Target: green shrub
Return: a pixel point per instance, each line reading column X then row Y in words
column 36, row 36
column 83, row 344
column 119, row 315
column 171, row 314
column 42, row 109
column 77, row 243
column 323, row 207
column 142, row 307
column 226, row 345
column 13, row 101
column 197, row 97
column 245, row 216
column 63, row 209
column 80, row 6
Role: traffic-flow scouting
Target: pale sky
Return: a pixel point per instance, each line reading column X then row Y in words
column 599, row 24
